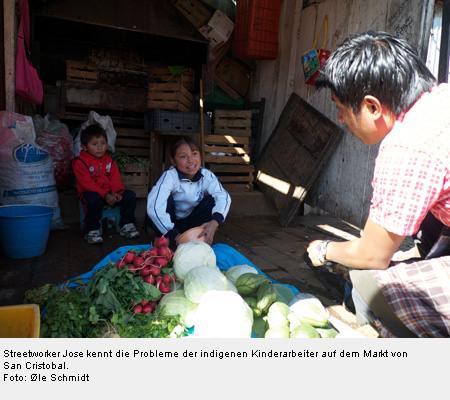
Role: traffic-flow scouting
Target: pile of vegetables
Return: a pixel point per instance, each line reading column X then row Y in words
column 239, row 301
column 158, row 293
column 119, row 301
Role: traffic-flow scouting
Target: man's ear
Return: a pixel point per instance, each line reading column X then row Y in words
column 373, row 105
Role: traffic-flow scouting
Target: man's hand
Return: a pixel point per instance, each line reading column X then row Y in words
column 312, row 253
column 209, row 229
column 373, row 250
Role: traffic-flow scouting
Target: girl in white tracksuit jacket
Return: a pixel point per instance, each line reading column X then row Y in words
column 187, row 195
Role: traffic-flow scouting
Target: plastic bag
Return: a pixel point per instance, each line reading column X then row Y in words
column 105, row 122
column 27, row 170
column 54, row 136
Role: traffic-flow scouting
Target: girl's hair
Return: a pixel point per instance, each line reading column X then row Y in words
column 189, row 140
column 91, row 131
column 377, row 64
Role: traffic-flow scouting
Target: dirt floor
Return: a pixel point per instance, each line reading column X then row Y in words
column 277, row 251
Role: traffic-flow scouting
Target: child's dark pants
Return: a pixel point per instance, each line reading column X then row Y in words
column 200, row 214
column 93, row 205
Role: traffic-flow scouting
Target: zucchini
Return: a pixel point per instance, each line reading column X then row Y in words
column 328, row 332
column 259, row 327
column 304, row 330
column 248, row 283
column 277, row 315
column 311, row 311
column 265, row 296
column 277, row 332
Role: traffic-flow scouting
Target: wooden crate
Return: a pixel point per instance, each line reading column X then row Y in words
column 136, row 177
column 235, row 178
column 187, row 78
column 194, row 11
column 133, row 142
column 169, row 96
column 225, row 149
column 81, row 71
column 233, row 122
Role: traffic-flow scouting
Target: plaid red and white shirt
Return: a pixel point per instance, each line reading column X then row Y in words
column 412, row 177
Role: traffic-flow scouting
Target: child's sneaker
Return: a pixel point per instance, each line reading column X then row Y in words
column 94, row 237
column 129, row 231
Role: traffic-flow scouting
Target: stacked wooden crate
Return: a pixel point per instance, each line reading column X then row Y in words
column 194, row 11
column 170, row 92
column 163, row 75
column 228, row 150
column 169, row 96
column 134, row 142
column 81, row 71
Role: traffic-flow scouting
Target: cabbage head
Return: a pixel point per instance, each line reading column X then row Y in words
column 176, row 303
column 190, row 255
column 232, row 287
column 200, row 280
column 236, row 271
column 223, row 314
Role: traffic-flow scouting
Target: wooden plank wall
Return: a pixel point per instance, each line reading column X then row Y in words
column 10, row 26
column 344, row 186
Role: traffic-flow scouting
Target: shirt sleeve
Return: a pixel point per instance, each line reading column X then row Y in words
column 221, row 197
column 157, row 203
column 406, row 184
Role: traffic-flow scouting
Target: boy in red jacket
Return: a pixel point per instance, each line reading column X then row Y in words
column 99, row 184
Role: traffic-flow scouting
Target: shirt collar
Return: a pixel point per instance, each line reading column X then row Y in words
column 196, row 178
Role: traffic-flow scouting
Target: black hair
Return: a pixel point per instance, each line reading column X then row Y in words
column 189, row 140
column 91, row 131
column 377, row 64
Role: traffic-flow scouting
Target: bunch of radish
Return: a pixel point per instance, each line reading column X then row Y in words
column 153, row 267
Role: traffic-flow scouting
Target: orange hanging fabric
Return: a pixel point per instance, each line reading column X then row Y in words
column 313, row 59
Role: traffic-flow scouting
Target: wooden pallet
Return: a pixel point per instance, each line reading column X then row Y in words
column 133, row 142
column 187, row 78
column 169, row 96
column 136, row 178
column 194, row 11
column 81, row 71
column 236, row 149
column 234, row 177
column 233, row 122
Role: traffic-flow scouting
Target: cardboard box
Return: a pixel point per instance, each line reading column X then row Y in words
column 232, row 77
column 218, row 30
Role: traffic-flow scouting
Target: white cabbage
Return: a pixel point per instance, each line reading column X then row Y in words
column 190, row 255
column 232, row 287
column 176, row 303
column 236, row 271
column 223, row 314
column 200, row 280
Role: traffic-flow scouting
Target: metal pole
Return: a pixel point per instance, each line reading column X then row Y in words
column 445, row 40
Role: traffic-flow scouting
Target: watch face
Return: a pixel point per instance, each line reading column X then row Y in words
column 322, row 250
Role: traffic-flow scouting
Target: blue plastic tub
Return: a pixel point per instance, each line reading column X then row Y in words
column 24, row 229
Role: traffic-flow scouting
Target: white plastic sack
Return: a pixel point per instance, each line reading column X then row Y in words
column 27, row 172
column 105, row 122
column 54, row 137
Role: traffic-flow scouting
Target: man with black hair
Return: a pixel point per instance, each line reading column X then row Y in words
column 384, row 91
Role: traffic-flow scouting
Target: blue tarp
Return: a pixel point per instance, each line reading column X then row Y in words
column 226, row 258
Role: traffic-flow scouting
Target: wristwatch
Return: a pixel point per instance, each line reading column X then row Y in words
column 322, row 251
